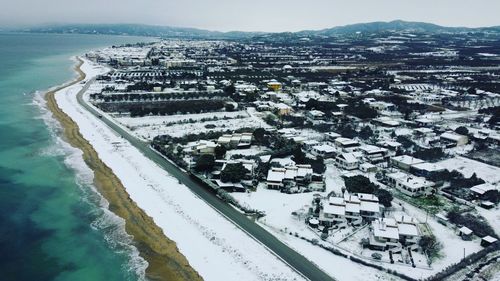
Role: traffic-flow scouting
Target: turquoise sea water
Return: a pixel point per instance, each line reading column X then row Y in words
column 52, row 225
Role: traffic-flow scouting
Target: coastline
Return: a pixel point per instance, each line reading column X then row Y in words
column 165, row 262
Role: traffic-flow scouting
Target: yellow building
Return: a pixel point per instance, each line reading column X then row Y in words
column 274, row 85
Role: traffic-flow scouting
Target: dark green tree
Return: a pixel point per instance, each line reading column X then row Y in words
column 234, row 172
column 205, row 162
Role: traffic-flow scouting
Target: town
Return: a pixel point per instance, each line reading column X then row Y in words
column 380, row 149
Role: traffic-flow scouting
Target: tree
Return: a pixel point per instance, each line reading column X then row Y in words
column 366, row 133
column 259, row 135
column 220, row 151
column 299, row 157
column 205, row 162
column 429, row 245
column 348, row 132
column 384, row 197
column 229, row 106
column 492, row 196
column 234, row 172
column 359, row 184
column 462, row 130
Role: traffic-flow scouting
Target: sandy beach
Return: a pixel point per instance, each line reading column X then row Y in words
column 164, row 259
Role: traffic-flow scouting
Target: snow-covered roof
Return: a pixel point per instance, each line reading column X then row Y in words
column 276, row 175
column 324, row 148
column 369, row 206
column 465, row 230
column 349, row 157
column 334, row 209
column 384, row 230
column 430, row 167
column 452, row 136
column 483, row 188
column 489, row 239
column 407, row 229
column 407, row 160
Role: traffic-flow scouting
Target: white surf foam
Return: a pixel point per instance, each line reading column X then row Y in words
column 112, row 226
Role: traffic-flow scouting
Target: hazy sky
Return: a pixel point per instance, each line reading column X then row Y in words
column 250, row 15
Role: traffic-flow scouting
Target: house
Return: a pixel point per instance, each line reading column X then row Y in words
column 331, row 136
column 425, row 169
column 384, row 234
column 274, row 85
column 451, row 139
column 367, row 168
column 423, row 133
column 389, row 233
column 315, row 115
column 347, row 161
column 350, row 208
column 203, row 147
column 242, row 140
column 409, row 184
column 408, row 230
column 290, row 176
column 404, row 162
column 374, row 154
column 324, row 150
column 283, row 109
column 386, row 122
column 346, row 144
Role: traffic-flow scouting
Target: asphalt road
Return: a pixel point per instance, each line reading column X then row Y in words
column 295, row 260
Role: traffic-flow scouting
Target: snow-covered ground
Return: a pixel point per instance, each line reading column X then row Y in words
column 280, row 221
column 468, row 166
column 150, row 126
column 215, row 247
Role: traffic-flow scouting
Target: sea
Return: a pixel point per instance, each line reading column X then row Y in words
column 53, row 224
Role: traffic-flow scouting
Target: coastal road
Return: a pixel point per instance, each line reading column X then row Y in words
column 295, row 260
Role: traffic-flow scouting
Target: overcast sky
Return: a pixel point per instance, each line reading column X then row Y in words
column 250, row 15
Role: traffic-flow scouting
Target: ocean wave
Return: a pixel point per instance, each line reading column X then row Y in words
column 103, row 220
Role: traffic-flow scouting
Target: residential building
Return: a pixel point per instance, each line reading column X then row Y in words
column 347, row 161
column 409, row 184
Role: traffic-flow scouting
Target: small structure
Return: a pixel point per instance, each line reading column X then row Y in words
column 481, row 189
column 488, row 240
column 465, row 233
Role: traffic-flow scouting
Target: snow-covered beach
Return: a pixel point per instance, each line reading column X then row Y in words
column 228, row 253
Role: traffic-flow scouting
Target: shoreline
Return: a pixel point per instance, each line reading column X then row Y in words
column 165, row 262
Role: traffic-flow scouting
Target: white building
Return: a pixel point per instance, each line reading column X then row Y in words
column 351, row 208
column 290, row 176
column 347, row 161
column 409, row 184
column 346, row 144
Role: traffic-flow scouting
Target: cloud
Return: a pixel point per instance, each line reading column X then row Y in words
column 255, row 15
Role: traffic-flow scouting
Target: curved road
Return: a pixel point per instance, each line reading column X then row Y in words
column 295, row 260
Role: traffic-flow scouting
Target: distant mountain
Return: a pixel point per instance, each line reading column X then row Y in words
column 397, row 25
column 183, row 32
column 140, row 30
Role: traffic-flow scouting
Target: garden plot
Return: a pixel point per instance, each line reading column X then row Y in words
column 179, row 125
